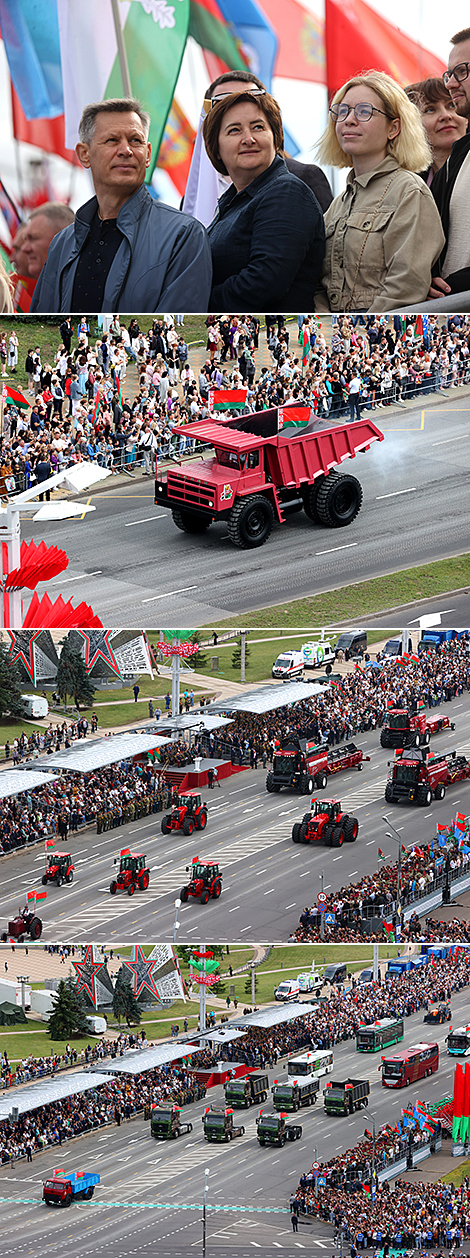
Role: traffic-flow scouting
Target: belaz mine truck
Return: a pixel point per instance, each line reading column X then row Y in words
column 347, row 1096
column 273, row 1129
column 418, row 777
column 243, row 1092
column 402, row 728
column 305, row 766
column 218, row 1124
column 264, row 466
column 165, row 1123
column 326, row 823
column 63, row 1188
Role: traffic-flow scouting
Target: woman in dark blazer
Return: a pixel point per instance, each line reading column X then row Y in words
column 267, row 238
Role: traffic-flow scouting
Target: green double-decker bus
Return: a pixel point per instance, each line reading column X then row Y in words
column 379, row 1035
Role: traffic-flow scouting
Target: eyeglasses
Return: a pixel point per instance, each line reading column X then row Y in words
column 362, row 112
column 210, row 102
column 459, row 73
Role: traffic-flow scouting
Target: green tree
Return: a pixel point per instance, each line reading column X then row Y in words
column 72, row 677
column 11, row 702
column 247, row 984
column 199, row 660
column 69, row 1014
column 125, row 1004
column 237, row 654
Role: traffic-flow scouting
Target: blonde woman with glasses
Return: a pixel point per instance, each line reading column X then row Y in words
column 383, row 233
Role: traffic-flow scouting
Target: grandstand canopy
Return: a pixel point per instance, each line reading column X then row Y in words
column 42, row 1092
column 275, row 1016
column 192, row 721
column 14, row 781
column 85, row 756
column 136, row 1060
column 268, row 698
column 222, row 1035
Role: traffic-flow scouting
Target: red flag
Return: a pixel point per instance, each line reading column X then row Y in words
column 44, row 133
column 357, row 38
column 301, row 47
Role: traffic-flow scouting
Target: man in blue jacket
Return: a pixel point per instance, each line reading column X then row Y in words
column 125, row 251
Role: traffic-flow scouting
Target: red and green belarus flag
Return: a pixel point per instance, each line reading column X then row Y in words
column 227, row 399
column 293, row 420
column 15, row 398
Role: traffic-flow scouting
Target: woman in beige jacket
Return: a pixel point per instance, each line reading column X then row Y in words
column 383, row 233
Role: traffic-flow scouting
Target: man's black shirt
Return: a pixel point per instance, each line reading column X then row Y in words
column 94, row 263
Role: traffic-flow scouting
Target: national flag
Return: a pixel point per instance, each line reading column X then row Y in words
column 366, row 1188
column 254, row 33
column 304, row 341
column 23, row 289
column 31, row 895
column 460, row 816
column 227, row 399
column 154, row 38
column 463, row 848
column 125, row 851
column 49, row 843
column 337, row 686
column 97, row 407
column 297, row 418
column 9, row 210
column 176, row 149
column 207, row 27
column 381, row 855
column 15, row 398
column 30, row 32
column 389, row 931
column 356, row 36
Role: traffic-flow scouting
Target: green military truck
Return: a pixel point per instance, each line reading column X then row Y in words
column 346, row 1096
column 165, row 1123
column 291, row 1095
column 244, row 1092
column 273, row 1129
column 218, row 1124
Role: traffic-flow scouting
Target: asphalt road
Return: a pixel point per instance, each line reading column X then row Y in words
column 150, row 1196
column 134, row 567
column 267, row 881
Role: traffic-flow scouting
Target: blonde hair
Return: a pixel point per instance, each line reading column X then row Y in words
column 409, row 148
column 6, row 304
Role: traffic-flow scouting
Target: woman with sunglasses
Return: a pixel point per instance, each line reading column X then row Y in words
column 383, row 233
column 267, row 237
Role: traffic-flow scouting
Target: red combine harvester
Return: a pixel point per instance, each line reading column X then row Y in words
column 303, row 766
column 326, row 823
column 188, row 814
column 264, row 466
column 418, row 777
column 402, row 728
column 205, row 882
column 133, row 874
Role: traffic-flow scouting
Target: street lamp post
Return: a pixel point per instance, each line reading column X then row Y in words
column 206, row 1177
column 176, row 924
column 372, row 1187
column 23, row 979
column 397, row 839
column 322, row 915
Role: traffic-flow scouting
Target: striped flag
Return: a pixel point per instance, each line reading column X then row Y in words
column 381, row 855
column 49, row 843
column 15, row 398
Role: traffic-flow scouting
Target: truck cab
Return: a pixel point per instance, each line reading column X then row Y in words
column 61, row 1188
column 219, row 1126
column 165, row 1122
column 273, row 1129
column 59, row 868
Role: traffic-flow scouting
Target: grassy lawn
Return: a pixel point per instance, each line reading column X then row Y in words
column 456, row 1177
column 356, row 602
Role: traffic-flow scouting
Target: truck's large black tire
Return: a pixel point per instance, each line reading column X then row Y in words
column 272, row 786
column 388, row 793
column 339, row 500
column 310, row 496
column 296, row 832
column 250, row 522
column 424, row 796
column 321, row 782
column 384, row 738
column 190, row 521
column 35, row 930
column 337, row 836
column 303, row 831
column 165, row 825
column 307, row 784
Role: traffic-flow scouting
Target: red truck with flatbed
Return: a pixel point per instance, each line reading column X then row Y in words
column 402, row 728
column 305, row 766
column 265, row 465
column 64, row 1187
column 418, row 777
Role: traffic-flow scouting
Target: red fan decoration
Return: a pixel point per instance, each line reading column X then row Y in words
column 38, row 563
column 42, row 614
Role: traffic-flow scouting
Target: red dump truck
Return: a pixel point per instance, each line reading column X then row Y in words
column 402, row 728
column 263, row 467
column 419, row 777
column 304, row 766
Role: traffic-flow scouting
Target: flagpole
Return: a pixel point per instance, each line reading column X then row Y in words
column 123, row 63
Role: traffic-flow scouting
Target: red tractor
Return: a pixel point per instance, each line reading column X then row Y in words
column 326, row 823
column 188, row 814
column 206, row 881
column 133, row 874
column 59, row 868
column 25, row 924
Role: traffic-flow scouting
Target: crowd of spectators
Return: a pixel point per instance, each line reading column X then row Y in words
column 79, row 411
